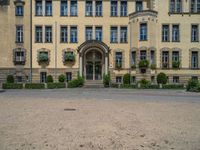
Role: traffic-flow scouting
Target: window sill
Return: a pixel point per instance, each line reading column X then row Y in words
column 63, row 15
column 143, row 40
column 113, row 42
column 38, row 42
column 194, row 41
column 176, row 41
column 63, row 42
column 48, row 42
column 38, row 15
column 88, row 15
column 73, row 15
column 19, row 42
column 123, row 42
column 73, row 42
column 19, row 15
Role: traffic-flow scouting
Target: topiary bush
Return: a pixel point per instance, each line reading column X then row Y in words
column 162, row 78
column 49, row 79
column 106, row 80
column 126, row 79
column 61, row 78
column 193, row 85
column 10, row 79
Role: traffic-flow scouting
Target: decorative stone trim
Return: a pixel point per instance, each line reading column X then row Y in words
column 151, row 13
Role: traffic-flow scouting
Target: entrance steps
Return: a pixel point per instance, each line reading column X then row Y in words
column 93, row 84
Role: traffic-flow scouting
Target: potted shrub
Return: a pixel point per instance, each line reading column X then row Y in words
column 69, row 57
column 175, row 64
column 144, row 64
column 43, row 57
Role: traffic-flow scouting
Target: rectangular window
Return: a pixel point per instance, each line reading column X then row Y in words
column 118, row 59
column 38, row 34
column 175, row 33
column 152, row 59
column 198, row 6
column 143, row 32
column 133, row 58
column 48, row 34
column 73, row 8
column 48, row 7
column 19, row 34
column 195, row 60
column 19, row 10
column 43, row 76
column 178, row 6
column 19, row 56
column 175, row 6
column 143, row 55
column 195, row 33
column 63, row 34
column 114, row 8
column 118, row 79
column 175, row 56
column 176, row 79
column 19, row 79
column 133, row 79
column 113, row 35
column 123, row 34
column 98, row 8
column 192, row 6
column 99, row 33
column 165, row 59
column 172, row 6
column 194, row 77
column 123, row 8
column 38, row 8
column 88, row 33
column 68, row 76
column 165, row 33
column 88, row 8
column 73, row 34
column 138, row 6
column 63, row 8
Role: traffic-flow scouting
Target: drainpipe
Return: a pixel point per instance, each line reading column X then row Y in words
column 130, row 50
column 55, row 69
column 31, row 66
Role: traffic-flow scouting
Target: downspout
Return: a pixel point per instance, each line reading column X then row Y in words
column 130, row 50
column 55, row 69
column 31, row 69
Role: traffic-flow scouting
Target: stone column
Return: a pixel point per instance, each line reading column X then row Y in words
column 80, row 66
column 106, row 64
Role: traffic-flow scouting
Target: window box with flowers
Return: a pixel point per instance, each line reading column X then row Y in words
column 118, row 65
column 143, row 65
column 69, row 57
column 43, row 57
column 176, row 64
column 133, row 66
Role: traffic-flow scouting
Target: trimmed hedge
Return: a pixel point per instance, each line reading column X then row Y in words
column 126, row 78
column 79, row 82
column 193, row 85
column 12, row 86
column 56, row 85
column 34, row 86
column 10, row 79
column 173, row 86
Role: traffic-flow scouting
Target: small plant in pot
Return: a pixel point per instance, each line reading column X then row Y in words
column 69, row 57
column 43, row 57
column 176, row 64
column 118, row 66
column 144, row 64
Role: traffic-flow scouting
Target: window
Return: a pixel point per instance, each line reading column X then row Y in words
column 195, row 6
column 165, row 33
column 88, row 33
column 175, row 33
column 68, row 76
column 19, row 34
column 123, row 34
column 113, row 35
column 194, row 59
column 133, row 79
column 19, row 56
column 63, row 34
column 43, row 76
column 38, row 34
column 114, row 8
column 143, row 55
column 98, row 8
column 152, row 58
column 143, row 32
column 133, row 58
column 38, row 8
column 118, row 59
column 165, row 59
column 123, row 10
column 19, row 79
column 175, row 56
column 98, row 32
column 194, row 77
column 195, row 33
column 175, row 79
column 63, row 8
column 73, row 34
column 88, row 8
column 48, row 8
column 48, row 34
column 19, row 10
column 73, row 8
column 139, row 6
column 118, row 79
column 175, row 6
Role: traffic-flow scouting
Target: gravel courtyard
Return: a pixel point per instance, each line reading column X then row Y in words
column 99, row 119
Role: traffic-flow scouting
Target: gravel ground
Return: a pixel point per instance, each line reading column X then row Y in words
column 99, row 119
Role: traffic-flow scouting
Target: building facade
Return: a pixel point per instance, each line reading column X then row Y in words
column 96, row 37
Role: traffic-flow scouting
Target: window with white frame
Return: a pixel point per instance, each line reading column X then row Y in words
column 63, row 8
column 152, row 57
column 43, row 76
column 133, row 58
column 19, row 10
column 194, row 60
column 123, row 34
column 123, row 8
column 143, row 55
column 19, row 34
column 98, row 33
column 175, row 56
column 195, row 6
column 38, row 8
column 176, row 6
column 73, row 8
column 63, row 34
column 114, row 8
column 88, row 8
column 195, row 33
column 73, row 34
column 88, row 33
column 118, row 59
column 68, row 76
column 143, row 31
column 165, row 33
column 176, row 79
column 175, row 33
column 114, row 34
column 38, row 34
column 119, row 79
column 48, row 34
column 48, row 7
column 165, row 59
column 138, row 5
column 98, row 6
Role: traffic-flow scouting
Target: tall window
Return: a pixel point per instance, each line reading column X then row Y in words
column 88, row 33
column 43, row 76
column 176, row 79
column 38, row 8
column 133, row 58
column 165, row 59
column 48, row 34
column 19, row 34
column 73, row 8
column 63, row 8
column 123, row 8
column 113, row 35
column 143, row 31
column 152, row 59
column 175, row 6
column 143, row 55
column 73, row 34
column 194, row 59
column 113, row 8
column 68, row 76
column 175, row 33
column 138, row 6
column 19, row 10
column 123, row 34
column 175, row 56
column 98, row 8
column 118, row 59
column 38, row 34
column 165, row 33
column 63, row 34
column 194, row 6
column 48, row 7
column 98, row 32
column 195, row 33
column 88, row 8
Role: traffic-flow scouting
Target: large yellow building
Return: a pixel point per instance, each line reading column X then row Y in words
column 96, row 37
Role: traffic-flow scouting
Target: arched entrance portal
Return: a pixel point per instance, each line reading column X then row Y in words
column 93, row 59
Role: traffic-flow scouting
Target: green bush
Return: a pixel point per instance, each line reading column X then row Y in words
column 144, row 64
column 114, row 85
column 61, row 78
column 193, row 85
column 34, row 86
column 79, row 82
column 129, row 86
column 144, row 83
column 43, row 57
column 161, row 78
column 49, row 79
column 10, row 79
column 12, row 86
column 175, row 64
column 69, row 57
column 56, row 85
column 133, row 66
column 173, row 86
column 153, row 66
column 106, row 80
column 126, row 79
